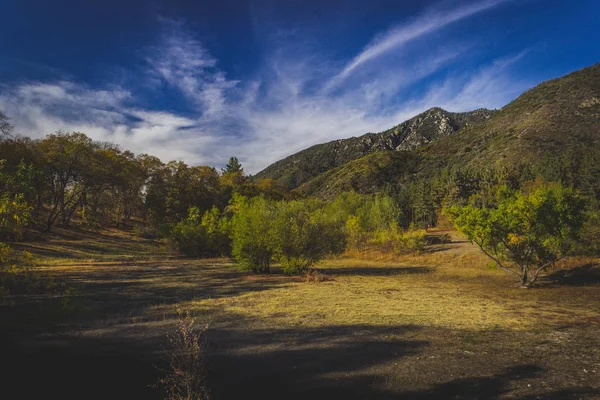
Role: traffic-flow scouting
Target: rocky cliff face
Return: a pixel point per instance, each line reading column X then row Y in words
column 425, row 128
column 431, row 125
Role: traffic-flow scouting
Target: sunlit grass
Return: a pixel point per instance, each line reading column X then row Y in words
column 449, row 286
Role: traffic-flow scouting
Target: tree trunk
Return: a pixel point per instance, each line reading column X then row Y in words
column 524, row 281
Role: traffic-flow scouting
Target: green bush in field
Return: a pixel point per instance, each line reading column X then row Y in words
column 15, row 272
column 252, row 233
column 412, row 241
column 523, row 234
column 373, row 220
column 197, row 237
column 298, row 234
column 393, row 240
column 303, row 234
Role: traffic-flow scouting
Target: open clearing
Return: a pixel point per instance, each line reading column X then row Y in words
column 437, row 325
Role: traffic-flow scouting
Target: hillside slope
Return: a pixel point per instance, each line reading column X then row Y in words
column 554, row 117
column 426, row 127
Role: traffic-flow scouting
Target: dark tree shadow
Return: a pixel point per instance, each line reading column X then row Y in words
column 333, row 362
column 495, row 387
column 320, row 363
column 587, row 274
column 77, row 368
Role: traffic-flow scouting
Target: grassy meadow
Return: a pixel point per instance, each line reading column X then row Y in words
column 440, row 324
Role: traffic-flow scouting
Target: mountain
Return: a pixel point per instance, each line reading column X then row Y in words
column 427, row 127
column 554, row 116
column 557, row 117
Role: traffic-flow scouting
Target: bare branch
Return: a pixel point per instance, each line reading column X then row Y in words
column 496, row 260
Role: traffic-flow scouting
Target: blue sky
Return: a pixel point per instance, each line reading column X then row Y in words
column 201, row 81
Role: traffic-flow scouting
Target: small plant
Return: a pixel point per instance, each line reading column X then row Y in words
column 187, row 378
column 317, row 277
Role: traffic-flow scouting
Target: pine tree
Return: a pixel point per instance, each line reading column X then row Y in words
column 233, row 166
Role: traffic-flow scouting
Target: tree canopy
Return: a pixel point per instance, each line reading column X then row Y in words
column 523, row 233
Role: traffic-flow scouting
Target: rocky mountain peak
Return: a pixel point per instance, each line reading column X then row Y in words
column 424, row 128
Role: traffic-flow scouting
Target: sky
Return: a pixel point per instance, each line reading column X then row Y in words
column 201, row 81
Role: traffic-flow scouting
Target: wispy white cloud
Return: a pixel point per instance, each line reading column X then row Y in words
column 401, row 35
column 181, row 61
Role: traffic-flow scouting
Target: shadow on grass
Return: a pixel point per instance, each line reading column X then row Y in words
column 326, row 362
column 116, row 291
column 587, row 274
column 346, row 362
column 496, row 386
column 78, row 243
column 78, row 368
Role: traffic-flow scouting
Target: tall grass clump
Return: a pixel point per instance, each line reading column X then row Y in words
column 186, row 379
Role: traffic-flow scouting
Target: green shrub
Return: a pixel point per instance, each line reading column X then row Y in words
column 252, row 233
column 392, row 240
column 412, row 241
column 189, row 236
column 298, row 234
column 199, row 237
column 16, row 276
column 304, row 234
column 217, row 230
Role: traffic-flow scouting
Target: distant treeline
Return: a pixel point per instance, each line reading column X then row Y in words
column 68, row 177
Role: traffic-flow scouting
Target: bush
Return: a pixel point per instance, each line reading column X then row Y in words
column 412, row 241
column 16, row 276
column 217, row 232
column 14, row 215
column 392, row 240
column 190, row 239
column 303, row 235
column 199, row 237
column 298, row 234
column 252, row 233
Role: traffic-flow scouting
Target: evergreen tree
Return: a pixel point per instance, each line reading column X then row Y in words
column 233, row 166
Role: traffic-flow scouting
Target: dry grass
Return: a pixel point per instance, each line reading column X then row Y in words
column 451, row 289
column 405, row 323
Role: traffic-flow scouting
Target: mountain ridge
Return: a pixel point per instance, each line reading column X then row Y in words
column 423, row 128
